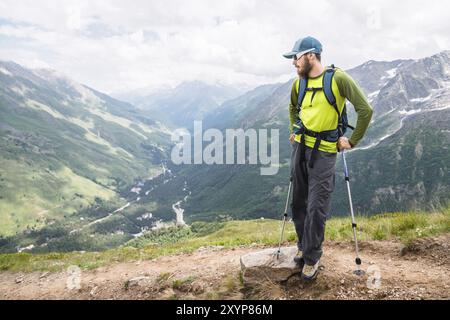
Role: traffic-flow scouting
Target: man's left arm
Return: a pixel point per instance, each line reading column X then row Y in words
column 350, row 90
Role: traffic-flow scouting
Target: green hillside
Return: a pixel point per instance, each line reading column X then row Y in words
column 64, row 146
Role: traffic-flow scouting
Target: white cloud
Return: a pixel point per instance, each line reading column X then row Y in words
column 116, row 45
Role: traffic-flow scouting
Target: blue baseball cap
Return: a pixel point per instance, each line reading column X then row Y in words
column 304, row 45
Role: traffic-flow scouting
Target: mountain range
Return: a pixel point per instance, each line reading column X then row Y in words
column 83, row 171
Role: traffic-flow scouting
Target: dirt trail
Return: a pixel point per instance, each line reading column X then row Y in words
column 420, row 271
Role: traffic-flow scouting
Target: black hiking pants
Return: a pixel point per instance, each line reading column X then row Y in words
column 311, row 197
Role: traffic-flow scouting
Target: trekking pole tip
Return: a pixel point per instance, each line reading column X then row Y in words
column 358, row 270
column 278, row 254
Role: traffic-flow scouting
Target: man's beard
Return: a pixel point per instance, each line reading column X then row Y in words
column 305, row 70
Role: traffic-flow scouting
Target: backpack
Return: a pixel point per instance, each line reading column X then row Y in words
column 331, row 135
column 343, row 124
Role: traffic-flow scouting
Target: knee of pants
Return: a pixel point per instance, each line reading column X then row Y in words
column 318, row 211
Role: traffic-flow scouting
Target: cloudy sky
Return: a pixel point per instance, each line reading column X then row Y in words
column 118, row 46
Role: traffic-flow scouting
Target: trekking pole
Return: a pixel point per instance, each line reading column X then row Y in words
column 284, row 218
column 358, row 270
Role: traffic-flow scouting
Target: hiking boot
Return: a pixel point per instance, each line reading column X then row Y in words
column 298, row 259
column 310, row 272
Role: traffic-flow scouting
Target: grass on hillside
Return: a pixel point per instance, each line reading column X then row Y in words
column 402, row 226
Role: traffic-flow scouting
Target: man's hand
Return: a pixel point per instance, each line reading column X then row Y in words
column 291, row 138
column 343, row 144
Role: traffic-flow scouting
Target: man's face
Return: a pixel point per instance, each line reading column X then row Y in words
column 303, row 65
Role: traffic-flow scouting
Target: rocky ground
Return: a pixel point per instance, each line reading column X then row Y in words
column 393, row 271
